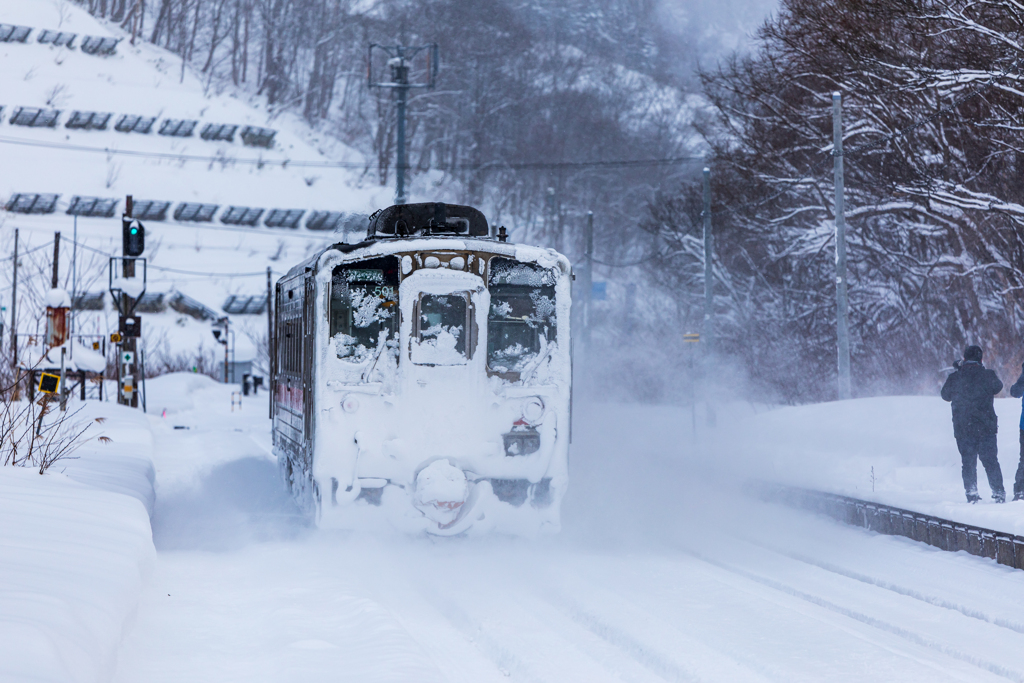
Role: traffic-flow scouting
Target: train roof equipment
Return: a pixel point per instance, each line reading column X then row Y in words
column 432, row 218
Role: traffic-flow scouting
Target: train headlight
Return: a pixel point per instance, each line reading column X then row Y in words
column 350, row 404
column 533, row 410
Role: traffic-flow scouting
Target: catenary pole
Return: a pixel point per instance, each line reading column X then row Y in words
column 270, row 344
column 842, row 303
column 709, row 254
column 400, row 59
column 588, row 284
column 400, row 167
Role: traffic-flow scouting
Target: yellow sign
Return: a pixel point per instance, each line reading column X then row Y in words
column 115, row 337
column 691, row 337
column 95, row 346
column 48, row 383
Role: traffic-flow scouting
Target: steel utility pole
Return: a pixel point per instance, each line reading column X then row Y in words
column 709, row 255
column 270, row 343
column 842, row 303
column 587, row 284
column 399, row 60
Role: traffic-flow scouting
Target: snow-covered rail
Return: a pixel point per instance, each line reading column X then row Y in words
column 1004, row 548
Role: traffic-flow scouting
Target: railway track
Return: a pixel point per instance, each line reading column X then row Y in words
column 1005, row 548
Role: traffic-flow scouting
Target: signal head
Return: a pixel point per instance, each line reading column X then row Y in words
column 133, row 237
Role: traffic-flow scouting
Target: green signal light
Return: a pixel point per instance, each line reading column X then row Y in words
column 135, row 231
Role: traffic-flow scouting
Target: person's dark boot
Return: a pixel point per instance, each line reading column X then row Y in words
column 999, row 496
column 973, row 497
column 1018, row 496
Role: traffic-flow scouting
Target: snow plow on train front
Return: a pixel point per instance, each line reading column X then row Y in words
column 421, row 378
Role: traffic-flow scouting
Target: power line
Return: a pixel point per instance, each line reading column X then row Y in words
column 196, row 272
column 44, row 245
column 286, row 163
column 177, row 270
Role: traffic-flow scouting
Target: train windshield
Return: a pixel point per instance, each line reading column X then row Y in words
column 521, row 322
column 442, row 321
column 364, row 307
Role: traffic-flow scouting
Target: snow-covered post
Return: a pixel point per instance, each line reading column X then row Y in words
column 709, row 254
column 842, row 304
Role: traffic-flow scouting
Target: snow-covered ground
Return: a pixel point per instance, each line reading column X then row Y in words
column 906, row 442
column 75, row 548
column 663, row 572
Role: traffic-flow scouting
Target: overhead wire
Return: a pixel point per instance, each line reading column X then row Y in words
column 288, row 163
column 28, row 251
column 178, row 270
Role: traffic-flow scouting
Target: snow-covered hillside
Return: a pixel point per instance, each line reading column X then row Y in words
column 146, row 81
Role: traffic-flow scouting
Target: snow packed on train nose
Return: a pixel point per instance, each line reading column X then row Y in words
column 422, row 377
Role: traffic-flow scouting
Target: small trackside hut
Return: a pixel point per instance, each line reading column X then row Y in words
column 422, row 377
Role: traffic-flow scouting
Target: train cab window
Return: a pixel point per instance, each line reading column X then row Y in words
column 364, row 307
column 442, row 331
column 521, row 322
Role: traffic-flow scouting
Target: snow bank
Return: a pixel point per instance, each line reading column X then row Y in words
column 76, row 546
column 175, row 391
column 77, row 357
column 895, row 450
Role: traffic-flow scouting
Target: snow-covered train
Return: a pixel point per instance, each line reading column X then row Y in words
column 422, row 377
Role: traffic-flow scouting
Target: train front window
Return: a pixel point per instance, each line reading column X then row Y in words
column 441, row 336
column 364, row 308
column 521, row 322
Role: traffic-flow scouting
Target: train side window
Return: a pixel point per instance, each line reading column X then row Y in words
column 364, row 307
column 442, row 329
column 522, row 320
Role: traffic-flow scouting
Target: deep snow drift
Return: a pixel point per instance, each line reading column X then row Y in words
column 75, row 547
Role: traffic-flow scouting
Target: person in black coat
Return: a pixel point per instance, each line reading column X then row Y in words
column 1017, row 391
column 971, row 388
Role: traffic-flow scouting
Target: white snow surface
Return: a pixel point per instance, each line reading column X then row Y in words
column 58, row 298
column 663, row 571
column 908, row 440
column 76, row 357
column 75, row 546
